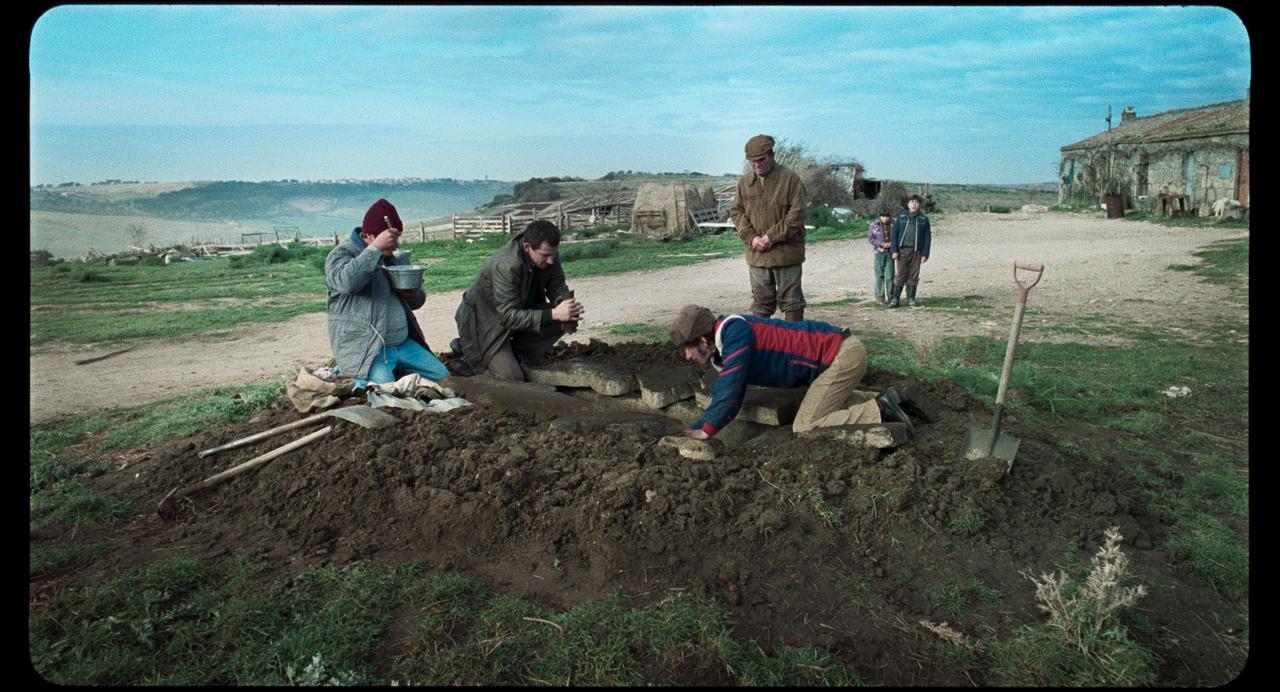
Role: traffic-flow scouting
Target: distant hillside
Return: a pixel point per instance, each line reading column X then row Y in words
column 324, row 206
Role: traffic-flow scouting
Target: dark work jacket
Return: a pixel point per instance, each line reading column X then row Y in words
column 509, row 295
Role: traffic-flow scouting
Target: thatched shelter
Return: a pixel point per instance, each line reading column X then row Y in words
column 664, row 210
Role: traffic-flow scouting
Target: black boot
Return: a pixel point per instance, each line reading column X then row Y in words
column 911, row 297
column 890, row 412
column 897, row 293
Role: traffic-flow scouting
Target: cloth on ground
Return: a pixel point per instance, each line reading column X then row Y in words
column 409, row 392
column 317, row 390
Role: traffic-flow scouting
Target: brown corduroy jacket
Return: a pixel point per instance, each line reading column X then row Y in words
column 773, row 205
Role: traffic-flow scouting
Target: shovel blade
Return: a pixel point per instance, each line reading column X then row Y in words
column 365, row 416
column 978, row 444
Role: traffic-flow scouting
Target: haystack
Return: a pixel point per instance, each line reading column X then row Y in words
column 662, row 209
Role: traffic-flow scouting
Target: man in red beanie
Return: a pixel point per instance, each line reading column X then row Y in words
column 373, row 333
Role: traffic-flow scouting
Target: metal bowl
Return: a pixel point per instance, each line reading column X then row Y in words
column 406, row 275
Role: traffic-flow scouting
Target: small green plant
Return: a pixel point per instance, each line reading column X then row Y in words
column 969, row 524
column 950, row 599
column 876, row 500
column 831, row 516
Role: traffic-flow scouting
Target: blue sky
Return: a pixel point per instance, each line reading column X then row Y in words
column 926, row 94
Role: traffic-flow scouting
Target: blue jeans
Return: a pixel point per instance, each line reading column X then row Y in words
column 882, row 264
column 398, row 361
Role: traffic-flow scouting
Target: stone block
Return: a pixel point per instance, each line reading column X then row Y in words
column 683, row 411
column 626, row 402
column 767, row 405
column 874, row 435
column 600, row 377
column 700, row 450
column 660, row 388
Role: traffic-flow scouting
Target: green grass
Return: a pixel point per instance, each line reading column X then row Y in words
column 75, row 504
column 650, row 333
column 1186, row 221
column 45, row 559
column 85, row 303
column 186, row 621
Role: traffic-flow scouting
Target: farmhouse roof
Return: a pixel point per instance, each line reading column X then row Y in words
column 1227, row 118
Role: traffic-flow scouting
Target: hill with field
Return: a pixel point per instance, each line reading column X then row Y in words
column 71, row 219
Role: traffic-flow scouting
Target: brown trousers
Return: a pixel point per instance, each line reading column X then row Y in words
column 832, row 399
column 906, row 271
column 528, row 346
column 774, row 287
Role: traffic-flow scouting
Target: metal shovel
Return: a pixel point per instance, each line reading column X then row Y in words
column 981, row 443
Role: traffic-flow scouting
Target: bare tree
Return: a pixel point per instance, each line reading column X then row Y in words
column 136, row 233
column 821, row 176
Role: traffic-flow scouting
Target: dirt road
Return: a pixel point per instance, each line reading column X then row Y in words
column 1115, row 268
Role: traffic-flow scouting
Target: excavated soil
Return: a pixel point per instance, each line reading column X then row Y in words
column 564, row 514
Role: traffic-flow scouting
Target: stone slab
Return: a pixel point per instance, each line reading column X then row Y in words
column 767, row 405
column 626, row 402
column 683, row 411
column 875, row 435
column 600, row 377
column 700, row 450
column 660, row 388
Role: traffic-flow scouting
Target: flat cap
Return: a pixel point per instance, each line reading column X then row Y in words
column 692, row 322
column 758, row 146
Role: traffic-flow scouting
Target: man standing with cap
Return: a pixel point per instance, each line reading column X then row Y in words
column 746, row 349
column 517, row 307
column 373, row 334
column 769, row 213
column 909, row 243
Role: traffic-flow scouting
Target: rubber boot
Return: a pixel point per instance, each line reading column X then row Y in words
column 794, row 315
column 911, row 297
column 897, row 293
column 890, row 412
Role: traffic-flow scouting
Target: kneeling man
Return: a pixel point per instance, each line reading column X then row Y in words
column 517, row 307
column 746, row 349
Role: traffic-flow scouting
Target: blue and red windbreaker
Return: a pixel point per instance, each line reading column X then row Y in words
column 767, row 352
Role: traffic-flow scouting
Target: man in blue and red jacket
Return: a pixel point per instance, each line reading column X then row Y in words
column 746, row 349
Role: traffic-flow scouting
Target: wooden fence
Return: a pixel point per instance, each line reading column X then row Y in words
column 481, row 225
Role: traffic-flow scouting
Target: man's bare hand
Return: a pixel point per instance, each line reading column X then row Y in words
column 387, row 241
column 923, row 259
column 697, row 434
column 568, row 311
column 761, row 243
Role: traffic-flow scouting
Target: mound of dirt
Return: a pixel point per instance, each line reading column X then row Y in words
column 808, row 541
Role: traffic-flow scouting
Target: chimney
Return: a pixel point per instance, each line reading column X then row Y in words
column 1128, row 116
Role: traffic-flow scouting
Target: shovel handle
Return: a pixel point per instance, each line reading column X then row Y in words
column 255, row 462
column 262, row 435
column 1037, row 268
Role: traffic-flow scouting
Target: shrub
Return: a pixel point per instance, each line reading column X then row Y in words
column 893, row 198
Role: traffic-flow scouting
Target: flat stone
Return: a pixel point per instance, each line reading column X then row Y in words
column 767, row 405
column 603, row 378
column 683, row 411
column 873, row 435
column 626, row 402
column 700, row 450
column 660, row 388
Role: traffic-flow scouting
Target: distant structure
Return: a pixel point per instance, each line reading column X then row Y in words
column 1189, row 160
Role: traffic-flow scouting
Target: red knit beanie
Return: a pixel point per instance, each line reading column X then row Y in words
column 374, row 223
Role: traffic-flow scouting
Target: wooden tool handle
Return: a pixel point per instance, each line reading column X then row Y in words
column 256, row 461
column 262, row 435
